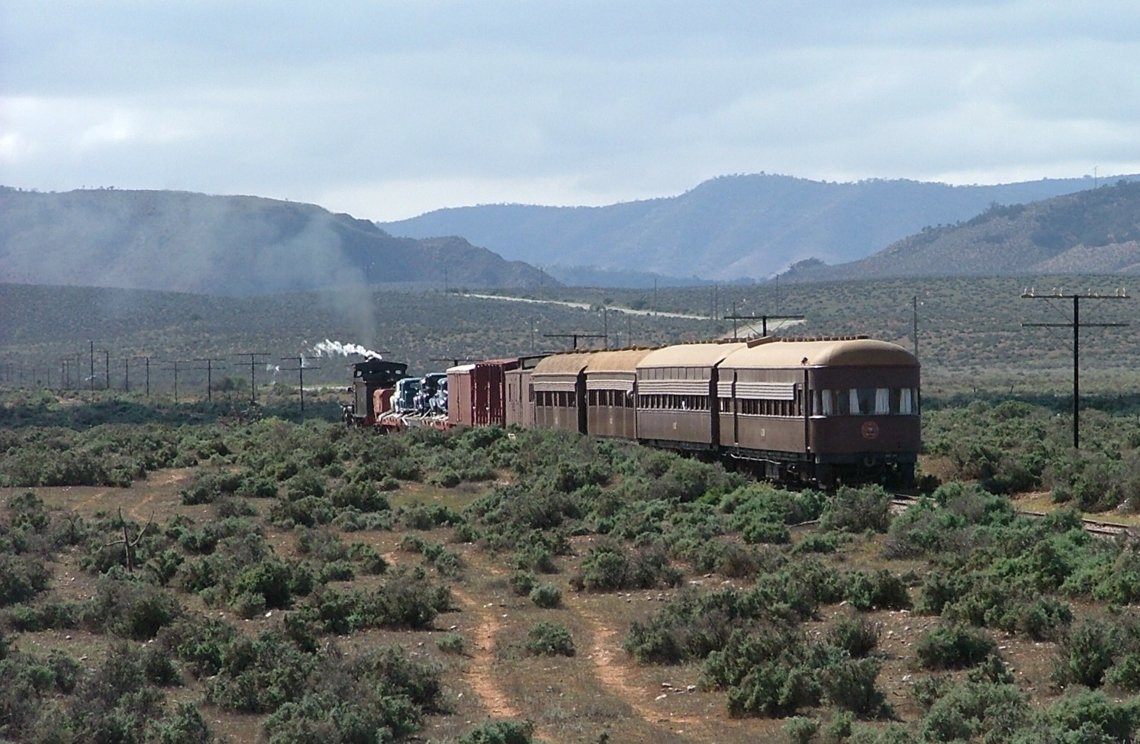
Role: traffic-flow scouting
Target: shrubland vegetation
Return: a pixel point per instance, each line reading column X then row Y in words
column 192, row 572
column 247, row 596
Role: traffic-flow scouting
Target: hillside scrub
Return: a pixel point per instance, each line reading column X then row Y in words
column 300, row 561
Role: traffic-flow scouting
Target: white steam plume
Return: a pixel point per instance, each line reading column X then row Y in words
column 336, row 348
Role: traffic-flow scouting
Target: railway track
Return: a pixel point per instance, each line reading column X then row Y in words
column 900, row 502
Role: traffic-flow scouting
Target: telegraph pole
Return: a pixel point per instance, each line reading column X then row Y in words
column 209, row 376
column 175, row 368
column 1076, row 325
column 300, row 376
column 574, row 336
column 762, row 318
column 253, row 360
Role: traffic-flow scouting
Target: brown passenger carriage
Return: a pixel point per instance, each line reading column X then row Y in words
column 821, row 409
column 676, row 390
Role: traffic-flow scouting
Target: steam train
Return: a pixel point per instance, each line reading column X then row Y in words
column 821, row 410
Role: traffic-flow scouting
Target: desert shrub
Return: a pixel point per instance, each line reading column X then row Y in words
column 987, row 600
column 129, row 608
column 500, row 732
column 923, row 529
column 971, row 709
column 259, row 675
column 857, row 510
column 549, row 639
column 879, row 590
column 801, row 729
column 209, row 486
column 304, row 485
column 534, row 556
column 953, row 647
column 200, row 642
column 365, row 497
column 368, row 558
column 307, row 511
column 748, row 648
column 774, row 689
column 270, row 579
column 186, row 726
column 800, row 587
column 522, row 582
column 56, row 615
column 404, row 599
column 818, row 542
column 159, row 668
column 839, row 727
column 375, row 697
column 1085, row 653
column 427, row 517
column 855, row 634
column 850, row 685
column 21, row 579
column 608, row 567
column 452, row 643
column 1095, row 716
column 546, row 596
column 692, row 625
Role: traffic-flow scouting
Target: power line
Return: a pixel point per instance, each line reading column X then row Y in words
column 253, row 355
column 300, row 370
column 1076, row 325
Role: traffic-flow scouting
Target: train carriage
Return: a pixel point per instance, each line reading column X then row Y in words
column 823, row 409
column 676, row 388
column 519, row 395
column 611, row 393
column 560, row 392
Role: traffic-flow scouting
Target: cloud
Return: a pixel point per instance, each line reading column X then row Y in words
column 414, row 106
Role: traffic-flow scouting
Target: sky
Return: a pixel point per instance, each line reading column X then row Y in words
column 387, row 109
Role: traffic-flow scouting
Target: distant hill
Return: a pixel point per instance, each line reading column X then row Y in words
column 729, row 228
column 224, row 245
column 1090, row 232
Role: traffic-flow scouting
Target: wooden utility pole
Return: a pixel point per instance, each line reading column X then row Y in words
column 253, row 360
column 763, row 318
column 574, row 336
column 209, row 376
column 1076, row 325
column 300, row 370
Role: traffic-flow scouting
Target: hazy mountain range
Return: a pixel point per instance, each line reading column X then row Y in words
column 727, row 229
column 225, row 245
column 1089, row 232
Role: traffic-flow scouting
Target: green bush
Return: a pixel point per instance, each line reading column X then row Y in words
column 801, row 729
column 1085, row 653
column 608, row 567
column 850, row 685
column 549, row 639
column 129, row 608
column 452, row 643
column 500, row 732
column 856, row 635
column 522, row 582
column 546, row 596
column 857, row 510
column 880, row 590
column 953, row 647
column 21, row 579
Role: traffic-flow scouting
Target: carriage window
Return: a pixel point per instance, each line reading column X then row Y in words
column 906, row 401
column 862, row 401
column 882, row 401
